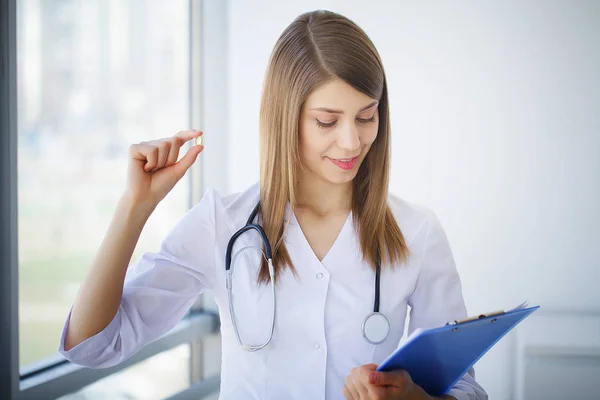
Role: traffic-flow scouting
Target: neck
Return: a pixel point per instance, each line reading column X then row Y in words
column 324, row 198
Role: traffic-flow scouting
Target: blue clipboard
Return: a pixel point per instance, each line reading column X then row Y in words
column 437, row 358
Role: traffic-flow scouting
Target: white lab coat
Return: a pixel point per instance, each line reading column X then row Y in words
column 317, row 338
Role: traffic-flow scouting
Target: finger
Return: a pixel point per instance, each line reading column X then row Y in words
column 360, row 386
column 186, row 161
column 151, row 159
column 146, row 153
column 370, row 367
column 381, row 392
column 363, row 372
column 173, row 151
column 178, row 140
column 398, row 378
column 347, row 393
column 139, row 151
column 163, row 153
column 353, row 388
column 188, row 135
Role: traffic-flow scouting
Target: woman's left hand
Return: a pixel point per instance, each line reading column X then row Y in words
column 365, row 383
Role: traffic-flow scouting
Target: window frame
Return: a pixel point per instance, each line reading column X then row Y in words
column 56, row 376
column 65, row 377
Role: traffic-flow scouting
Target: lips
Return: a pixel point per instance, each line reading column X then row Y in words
column 345, row 163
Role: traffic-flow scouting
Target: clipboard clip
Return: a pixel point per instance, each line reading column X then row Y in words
column 475, row 318
column 481, row 316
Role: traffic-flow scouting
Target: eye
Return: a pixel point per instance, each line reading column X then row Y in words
column 366, row 121
column 325, row 124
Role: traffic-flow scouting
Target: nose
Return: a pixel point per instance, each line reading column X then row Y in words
column 349, row 138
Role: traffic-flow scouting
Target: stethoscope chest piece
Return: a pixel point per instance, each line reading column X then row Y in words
column 375, row 328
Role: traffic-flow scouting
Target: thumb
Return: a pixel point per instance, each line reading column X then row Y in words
column 399, row 378
column 186, row 161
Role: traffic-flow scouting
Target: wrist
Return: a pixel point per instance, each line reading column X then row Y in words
column 134, row 210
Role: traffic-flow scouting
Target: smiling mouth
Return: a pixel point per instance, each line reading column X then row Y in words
column 345, row 163
column 344, row 159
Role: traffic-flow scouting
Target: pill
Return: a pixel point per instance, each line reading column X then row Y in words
column 198, row 140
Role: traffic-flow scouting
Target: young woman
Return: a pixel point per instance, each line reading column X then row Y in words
column 339, row 242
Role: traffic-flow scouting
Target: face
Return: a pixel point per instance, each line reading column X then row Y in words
column 338, row 125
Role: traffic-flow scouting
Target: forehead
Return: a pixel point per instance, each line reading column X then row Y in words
column 337, row 94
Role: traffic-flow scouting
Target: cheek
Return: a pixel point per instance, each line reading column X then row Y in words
column 368, row 135
column 313, row 144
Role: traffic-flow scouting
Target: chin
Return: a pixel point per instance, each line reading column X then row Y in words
column 339, row 178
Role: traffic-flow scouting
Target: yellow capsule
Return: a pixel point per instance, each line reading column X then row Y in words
column 198, row 140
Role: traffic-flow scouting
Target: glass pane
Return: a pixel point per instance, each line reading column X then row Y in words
column 158, row 377
column 94, row 76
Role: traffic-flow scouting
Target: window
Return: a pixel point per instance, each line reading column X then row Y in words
column 156, row 378
column 93, row 76
column 80, row 80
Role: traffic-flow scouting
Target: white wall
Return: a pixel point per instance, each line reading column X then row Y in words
column 496, row 127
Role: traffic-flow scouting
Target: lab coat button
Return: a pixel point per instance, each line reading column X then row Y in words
column 317, row 345
column 319, row 275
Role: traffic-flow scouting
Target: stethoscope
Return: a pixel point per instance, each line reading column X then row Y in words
column 375, row 327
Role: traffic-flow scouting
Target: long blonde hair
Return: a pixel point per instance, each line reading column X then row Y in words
column 315, row 48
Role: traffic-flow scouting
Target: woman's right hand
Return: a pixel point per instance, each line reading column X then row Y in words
column 154, row 170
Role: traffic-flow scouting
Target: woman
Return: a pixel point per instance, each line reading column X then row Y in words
column 324, row 207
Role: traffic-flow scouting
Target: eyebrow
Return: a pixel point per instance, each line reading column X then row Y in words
column 332, row 111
